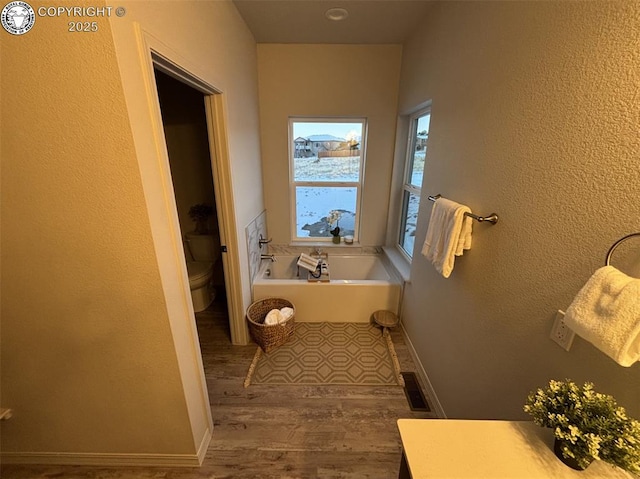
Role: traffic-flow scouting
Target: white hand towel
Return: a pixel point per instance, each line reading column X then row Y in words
column 286, row 313
column 606, row 312
column 273, row 317
column 308, row 262
column 448, row 235
column 464, row 242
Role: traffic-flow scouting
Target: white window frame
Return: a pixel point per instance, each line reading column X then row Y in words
column 406, row 176
column 359, row 185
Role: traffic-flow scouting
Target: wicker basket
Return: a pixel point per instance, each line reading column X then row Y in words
column 270, row 336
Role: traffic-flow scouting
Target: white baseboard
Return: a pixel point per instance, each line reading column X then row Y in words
column 100, row 459
column 204, row 446
column 439, row 411
column 110, row 459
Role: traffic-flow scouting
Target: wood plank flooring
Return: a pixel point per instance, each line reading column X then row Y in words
column 280, row 432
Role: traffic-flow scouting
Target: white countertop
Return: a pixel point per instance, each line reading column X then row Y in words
column 450, row 448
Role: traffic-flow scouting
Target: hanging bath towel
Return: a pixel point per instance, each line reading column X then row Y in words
column 606, row 312
column 448, row 235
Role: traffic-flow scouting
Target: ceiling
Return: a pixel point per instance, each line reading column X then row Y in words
column 304, row 21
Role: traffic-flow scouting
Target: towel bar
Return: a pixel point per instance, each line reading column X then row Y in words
column 492, row 218
column 616, row 244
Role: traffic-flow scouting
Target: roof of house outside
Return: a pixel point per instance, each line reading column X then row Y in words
column 324, row 138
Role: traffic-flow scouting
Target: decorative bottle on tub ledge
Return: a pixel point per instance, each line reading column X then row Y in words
column 334, row 217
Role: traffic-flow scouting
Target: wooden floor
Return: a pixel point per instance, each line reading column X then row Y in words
column 276, row 431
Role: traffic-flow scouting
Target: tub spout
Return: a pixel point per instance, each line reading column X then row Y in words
column 318, row 253
column 272, row 257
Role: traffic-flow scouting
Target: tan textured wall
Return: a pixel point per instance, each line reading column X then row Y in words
column 88, row 363
column 535, row 116
column 328, row 80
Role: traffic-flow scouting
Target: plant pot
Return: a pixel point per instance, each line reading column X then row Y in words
column 336, row 239
column 569, row 461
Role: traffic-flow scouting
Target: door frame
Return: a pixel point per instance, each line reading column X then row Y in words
column 215, row 108
column 165, row 227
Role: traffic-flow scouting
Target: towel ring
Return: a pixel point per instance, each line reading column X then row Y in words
column 616, row 244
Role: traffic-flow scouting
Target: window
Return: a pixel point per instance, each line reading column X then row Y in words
column 412, row 182
column 326, row 170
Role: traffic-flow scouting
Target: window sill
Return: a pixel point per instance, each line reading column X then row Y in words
column 324, row 244
column 399, row 262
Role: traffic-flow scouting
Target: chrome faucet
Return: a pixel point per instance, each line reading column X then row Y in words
column 319, row 253
column 272, row 257
column 262, row 241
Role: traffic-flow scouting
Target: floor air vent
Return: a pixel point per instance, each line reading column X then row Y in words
column 412, row 390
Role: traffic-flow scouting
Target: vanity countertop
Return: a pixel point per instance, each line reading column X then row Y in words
column 451, row 448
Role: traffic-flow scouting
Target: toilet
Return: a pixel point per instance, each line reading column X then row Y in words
column 202, row 253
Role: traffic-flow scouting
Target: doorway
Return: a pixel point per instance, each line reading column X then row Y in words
column 184, row 123
column 165, row 223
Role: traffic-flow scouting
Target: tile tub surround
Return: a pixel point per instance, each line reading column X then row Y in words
column 257, row 227
column 359, row 286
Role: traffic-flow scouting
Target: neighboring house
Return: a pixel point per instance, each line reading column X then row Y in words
column 311, row 145
column 302, row 147
column 421, row 141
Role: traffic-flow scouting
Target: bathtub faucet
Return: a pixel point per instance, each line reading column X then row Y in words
column 318, row 253
column 272, row 257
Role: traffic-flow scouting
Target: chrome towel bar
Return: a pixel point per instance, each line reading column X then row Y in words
column 492, row 218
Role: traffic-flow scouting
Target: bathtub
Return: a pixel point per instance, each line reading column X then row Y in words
column 360, row 285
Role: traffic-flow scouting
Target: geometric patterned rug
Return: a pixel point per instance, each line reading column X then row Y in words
column 329, row 353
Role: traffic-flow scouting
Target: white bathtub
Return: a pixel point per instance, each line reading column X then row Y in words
column 360, row 285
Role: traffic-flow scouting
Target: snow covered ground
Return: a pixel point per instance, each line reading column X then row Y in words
column 314, row 204
column 408, row 239
column 327, row 169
